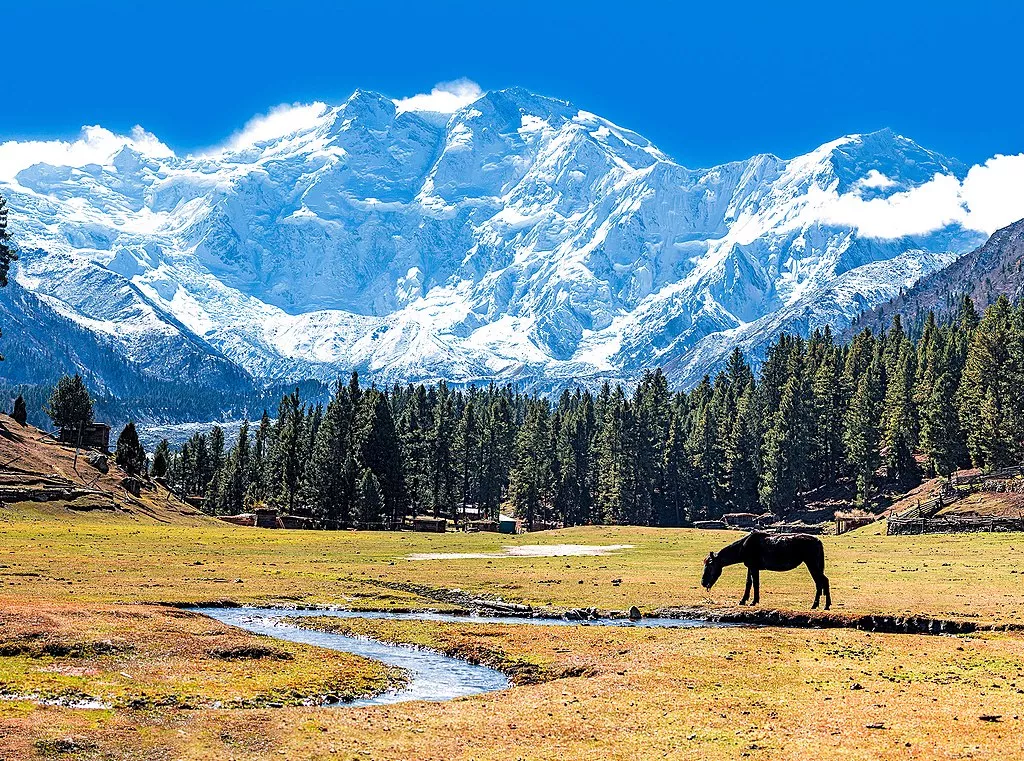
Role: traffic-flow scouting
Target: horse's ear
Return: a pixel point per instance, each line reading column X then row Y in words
column 712, row 555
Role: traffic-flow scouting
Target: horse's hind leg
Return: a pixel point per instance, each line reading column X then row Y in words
column 820, row 583
column 746, row 592
column 828, row 591
column 756, row 576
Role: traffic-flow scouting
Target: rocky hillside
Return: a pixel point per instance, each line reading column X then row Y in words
column 994, row 269
column 38, row 476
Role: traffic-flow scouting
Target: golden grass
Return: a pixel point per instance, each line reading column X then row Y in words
column 974, row 577
column 718, row 693
column 708, row 694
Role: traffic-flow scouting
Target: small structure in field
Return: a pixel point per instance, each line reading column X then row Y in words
column 266, row 517
column 717, row 525
column 293, row 522
column 509, row 525
column 740, row 520
column 242, row 519
column 850, row 521
column 545, row 526
column 429, row 524
column 482, row 525
column 93, row 436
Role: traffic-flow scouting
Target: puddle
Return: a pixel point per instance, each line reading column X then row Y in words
column 528, row 551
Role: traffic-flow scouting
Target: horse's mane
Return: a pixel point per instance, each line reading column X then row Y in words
column 730, row 554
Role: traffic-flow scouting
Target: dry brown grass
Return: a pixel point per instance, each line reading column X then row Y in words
column 81, row 581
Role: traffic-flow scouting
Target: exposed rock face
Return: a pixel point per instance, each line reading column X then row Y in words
column 98, row 461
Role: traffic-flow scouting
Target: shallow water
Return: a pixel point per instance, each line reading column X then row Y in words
column 432, row 676
column 528, row 551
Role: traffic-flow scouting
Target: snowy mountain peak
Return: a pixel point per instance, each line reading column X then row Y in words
column 508, row 235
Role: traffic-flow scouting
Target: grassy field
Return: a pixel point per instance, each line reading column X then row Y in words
column 91, row 586
column 111, row 559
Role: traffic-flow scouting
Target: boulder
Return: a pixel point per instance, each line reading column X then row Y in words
column 98, row 461
column 634, row 614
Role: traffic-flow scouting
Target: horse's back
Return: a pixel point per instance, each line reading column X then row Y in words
column 784, row 552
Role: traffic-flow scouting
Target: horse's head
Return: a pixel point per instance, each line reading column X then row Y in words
column 712, row 570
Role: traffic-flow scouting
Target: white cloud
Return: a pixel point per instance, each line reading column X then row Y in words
column 281, row 120
column 95, row 146
column 445, row 98
column 875, row 180
column 990, row 197
column 994, row 192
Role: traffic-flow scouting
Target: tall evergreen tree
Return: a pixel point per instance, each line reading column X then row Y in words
column 899, row 419
column 862, row 436
column 161, row 459
column 129, row 453
column 70, row 405
column 20, row 411
column 530, row 482
column 375, row 441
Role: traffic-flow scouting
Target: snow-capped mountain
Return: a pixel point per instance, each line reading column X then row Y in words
column 517, row 238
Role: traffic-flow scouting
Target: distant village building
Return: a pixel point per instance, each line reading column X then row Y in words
column 93, row 436
column 509, row 525
column 429, row 524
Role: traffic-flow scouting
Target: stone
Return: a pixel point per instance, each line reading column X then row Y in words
column 634, row 614
column 98, row 461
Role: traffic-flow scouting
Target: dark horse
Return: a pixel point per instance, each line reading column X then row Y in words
column 759, row 551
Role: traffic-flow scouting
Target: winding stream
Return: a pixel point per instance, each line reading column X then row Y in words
column 432, row 676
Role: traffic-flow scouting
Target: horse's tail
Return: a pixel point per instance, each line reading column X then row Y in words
column 818, row 553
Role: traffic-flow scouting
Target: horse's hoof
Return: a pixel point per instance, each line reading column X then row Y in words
column 742, row 602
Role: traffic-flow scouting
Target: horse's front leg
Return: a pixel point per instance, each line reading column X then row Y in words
column 746, row 592
column 755, row 574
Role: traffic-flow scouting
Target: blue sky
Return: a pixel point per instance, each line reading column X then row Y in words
column 707, row 82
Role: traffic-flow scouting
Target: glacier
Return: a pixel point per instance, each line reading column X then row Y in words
column 519, row 238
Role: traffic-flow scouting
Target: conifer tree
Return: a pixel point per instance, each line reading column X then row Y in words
column 742, row 464
column 414, row 431
column 442, row 455
column 899, row 419
column 784, row 452
column 20, row 411
column 216, row 447
column 161, row 459
column 616, row 489
column 370, row 505
column 940, row 426
column 827, row 411
column 530, row 481
column 990, row 386
column 70, row 405
column 129, row 453
column 377, row 448
column 677, row 506
column 325, row 490
column 862, row 437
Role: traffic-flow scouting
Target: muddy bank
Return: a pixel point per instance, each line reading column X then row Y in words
column 882, row 623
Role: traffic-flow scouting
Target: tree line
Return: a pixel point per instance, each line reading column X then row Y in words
column 884, row 408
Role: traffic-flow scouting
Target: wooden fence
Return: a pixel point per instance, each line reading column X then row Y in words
column 953, row 524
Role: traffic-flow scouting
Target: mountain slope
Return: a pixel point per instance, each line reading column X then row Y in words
column 992, row 270
column 518, row 238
